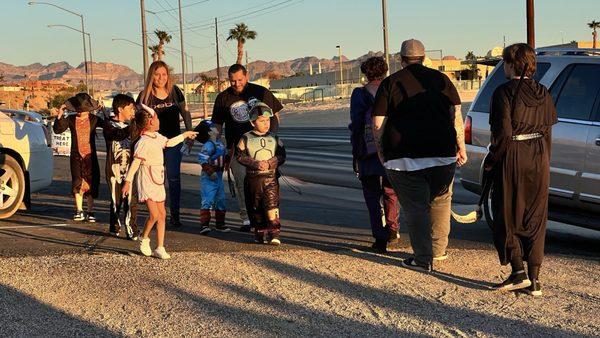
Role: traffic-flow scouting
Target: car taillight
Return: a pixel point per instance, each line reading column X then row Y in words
column 468, row 126
column 48, row 137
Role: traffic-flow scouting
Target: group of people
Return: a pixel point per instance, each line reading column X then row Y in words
column 144, row 143
column 407, row 140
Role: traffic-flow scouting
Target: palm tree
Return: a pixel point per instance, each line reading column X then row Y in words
column 594, row 25
column 163, row 37
column 155, row 52
column 207, row 81
column 240, row 33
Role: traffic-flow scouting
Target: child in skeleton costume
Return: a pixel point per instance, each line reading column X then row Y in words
column 211, row 158
column 118, row 159
column 262, row 153
column 149, row 159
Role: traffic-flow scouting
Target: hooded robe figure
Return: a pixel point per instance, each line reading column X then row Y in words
column 520, row 168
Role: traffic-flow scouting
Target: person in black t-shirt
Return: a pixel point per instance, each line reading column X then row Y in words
column 232, row 108
column 418, row 126
column 168, row 101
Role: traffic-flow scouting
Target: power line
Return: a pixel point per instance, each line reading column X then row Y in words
column 275, row 7
column 185, row 22
column 175, row 34
column 226, row 45
column 185, row 6
column 270, row 9
column 232, row 13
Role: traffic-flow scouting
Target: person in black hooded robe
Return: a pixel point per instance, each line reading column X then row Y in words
column 521, row 117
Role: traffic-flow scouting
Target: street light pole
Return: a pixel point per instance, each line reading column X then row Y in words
column 385, row 36
column 90, row 46
column 218, row 67
column 341, row 66
column 91, row 63
column 144, row 39
column 31, row 3
column 84, row 55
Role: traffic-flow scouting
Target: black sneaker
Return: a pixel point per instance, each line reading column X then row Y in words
column 114, row 232
column 380, row 246
column 175, row 222
column 204, row 230
column 259, row 238
column 410, row 263
column 535, row 289
column 222, row 228
column 90, row 217
column 79, row 216
column 245, row 228
column 517, row 280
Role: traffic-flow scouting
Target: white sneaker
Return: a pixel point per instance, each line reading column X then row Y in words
column 246, row 223
column 161, row 253
column 275, row 241
column 145, row 247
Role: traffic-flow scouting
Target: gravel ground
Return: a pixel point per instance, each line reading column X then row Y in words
column 286, row 292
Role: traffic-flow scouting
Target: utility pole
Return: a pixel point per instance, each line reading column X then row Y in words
column 248, row 69
column 530, row 24
column 182, row 50
column 144, row 39
column 91, row 63
column 84, row 55
column 218, row 67
column 385, row 36
column 341, row 66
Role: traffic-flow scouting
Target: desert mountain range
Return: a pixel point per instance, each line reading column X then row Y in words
column 115, row 76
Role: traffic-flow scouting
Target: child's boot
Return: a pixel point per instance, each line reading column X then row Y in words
column 220, row 221
column 204, row 221
column 274, row 230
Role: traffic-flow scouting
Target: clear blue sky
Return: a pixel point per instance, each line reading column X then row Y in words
column 286, row 29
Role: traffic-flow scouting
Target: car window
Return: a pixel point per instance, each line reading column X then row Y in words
column 497, row 78
column 575, row 91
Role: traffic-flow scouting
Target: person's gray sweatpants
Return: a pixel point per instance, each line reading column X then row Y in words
column 239, row 173
column 425, row 196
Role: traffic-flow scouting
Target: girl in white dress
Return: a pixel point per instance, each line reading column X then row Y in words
column 148, row 158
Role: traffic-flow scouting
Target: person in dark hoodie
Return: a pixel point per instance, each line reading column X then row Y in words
column 521, row 117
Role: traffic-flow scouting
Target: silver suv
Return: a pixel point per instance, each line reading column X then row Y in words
column 573, row 78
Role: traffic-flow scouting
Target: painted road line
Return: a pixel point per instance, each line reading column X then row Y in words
column 303, row 164
column 311, row 139
column 318, row 153
column 35, row 226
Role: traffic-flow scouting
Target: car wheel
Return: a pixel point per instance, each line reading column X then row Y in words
column 12, row 186
column 487, row 207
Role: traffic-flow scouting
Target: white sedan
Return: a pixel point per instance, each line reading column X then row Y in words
column 26, row 163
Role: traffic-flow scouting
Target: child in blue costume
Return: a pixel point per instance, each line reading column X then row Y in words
column 212, row 191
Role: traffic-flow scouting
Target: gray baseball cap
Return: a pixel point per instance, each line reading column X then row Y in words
column 412, row 48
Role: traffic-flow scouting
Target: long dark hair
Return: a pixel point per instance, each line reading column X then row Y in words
column 139, row 124
column 149, row 86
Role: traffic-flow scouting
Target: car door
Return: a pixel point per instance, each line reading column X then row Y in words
column 574, row 93
column 590, row 178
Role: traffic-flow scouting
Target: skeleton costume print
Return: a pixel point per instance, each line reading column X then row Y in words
column 118, row 159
